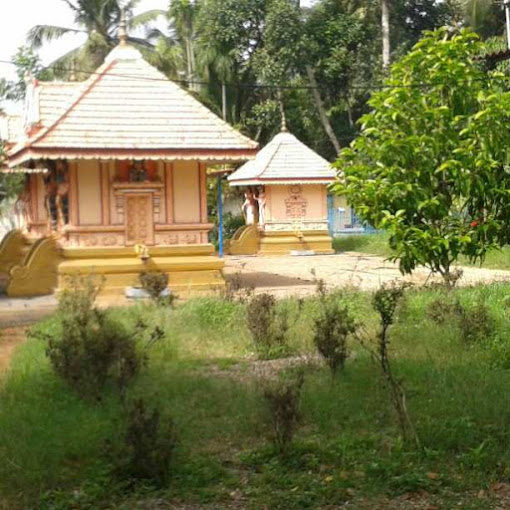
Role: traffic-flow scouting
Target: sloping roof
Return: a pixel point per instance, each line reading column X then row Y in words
column 11, row 128
column 284, row 160
column 128, row 109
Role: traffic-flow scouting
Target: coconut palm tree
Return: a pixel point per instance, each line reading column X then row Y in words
column 175, row 51
column 100, row 20
column 485, row 16
column 385, row 29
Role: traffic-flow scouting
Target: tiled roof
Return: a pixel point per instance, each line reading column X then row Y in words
column 11, row 128
column 129, row 108
column 284, row 160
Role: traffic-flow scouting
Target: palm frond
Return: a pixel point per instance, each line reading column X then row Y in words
column 137, row 41
column 63, row 66
column 153, row 33
column 144, row 18
column 41, row 33
column 72, row 6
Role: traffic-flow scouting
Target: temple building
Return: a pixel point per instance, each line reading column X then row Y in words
column 286, row 196
column 115, row 180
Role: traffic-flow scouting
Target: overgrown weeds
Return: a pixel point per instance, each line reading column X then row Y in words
column 268, row 327
column 475, row 322
column 333, row 326
column 146, row 448
column 89, row 349
column 282, row 398
column 385, row 302
column 155, row 283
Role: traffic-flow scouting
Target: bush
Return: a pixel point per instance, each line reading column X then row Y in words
column 477, row 323
column 89, row 349
column 268, row 327
column 443, row 309
column 331, row 330
column 147, row 447
column 155, row 283
column 282, row 397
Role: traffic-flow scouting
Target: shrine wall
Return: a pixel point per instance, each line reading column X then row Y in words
column 293, row 202
column 89, row 193
column 186, row 191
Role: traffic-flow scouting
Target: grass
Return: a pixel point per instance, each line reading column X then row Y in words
column 347, row 445
column 377, row 244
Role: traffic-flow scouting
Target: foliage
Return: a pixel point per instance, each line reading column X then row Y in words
column 147, row 448
column 100, row 20
column 282, row 397
column 385, row 302
column 155, row 283
column 90, row 349
column 430, row 164
column 346, row 449
column 268, row 326
column 332, row 328
column 477, row 323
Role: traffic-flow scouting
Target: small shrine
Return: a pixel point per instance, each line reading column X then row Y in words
column 115, row 180
column 285, row 203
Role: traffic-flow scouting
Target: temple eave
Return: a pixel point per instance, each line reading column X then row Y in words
column 215, row 156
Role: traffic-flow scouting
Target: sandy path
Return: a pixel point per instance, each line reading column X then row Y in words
column 292, row 274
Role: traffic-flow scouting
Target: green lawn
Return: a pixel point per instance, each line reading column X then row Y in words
column 377, row 244
column 347, row 446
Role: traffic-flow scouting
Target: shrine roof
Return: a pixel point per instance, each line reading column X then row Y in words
column 127, row 109
column 284, row 160
column 11, row 128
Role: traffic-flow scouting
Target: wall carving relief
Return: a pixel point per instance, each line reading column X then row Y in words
column 175, row 238
column 295, row 204
column 93, row 240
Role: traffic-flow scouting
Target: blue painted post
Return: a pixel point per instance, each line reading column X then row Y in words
column 220, row 219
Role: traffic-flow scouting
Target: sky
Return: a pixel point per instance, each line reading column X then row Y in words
column 19, row 16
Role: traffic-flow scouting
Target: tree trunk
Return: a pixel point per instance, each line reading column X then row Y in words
column 385, row 29
column 320, row 108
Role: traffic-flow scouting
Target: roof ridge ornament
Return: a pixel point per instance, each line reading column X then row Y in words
column 283, row 128
column 123, row 28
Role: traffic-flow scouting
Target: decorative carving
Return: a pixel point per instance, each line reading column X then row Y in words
column 124, row 191
column 36, row 275
column 295, row 204
column 11, row 250
column 56, row 195
column 191, row 238
column 93, row 240
column 170, row 239
column 291, row 226
column 139, row 219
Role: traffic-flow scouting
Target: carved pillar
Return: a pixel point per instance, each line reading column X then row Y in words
column 169, row 192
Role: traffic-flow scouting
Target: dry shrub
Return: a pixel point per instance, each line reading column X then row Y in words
column 155, row 283
column 268, row 327
column 88, row 348
column 476, row 323
column 282, row 398
column 332, row 328
column 146, row 447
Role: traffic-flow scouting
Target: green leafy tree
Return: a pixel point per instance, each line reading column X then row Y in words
column 430, row 165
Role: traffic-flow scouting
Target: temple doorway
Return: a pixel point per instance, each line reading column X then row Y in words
column 139, row 219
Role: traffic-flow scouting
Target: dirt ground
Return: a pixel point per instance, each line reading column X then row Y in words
column 292, row 275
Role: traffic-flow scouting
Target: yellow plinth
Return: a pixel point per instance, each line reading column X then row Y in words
column 190, row 268
column 283, row 243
